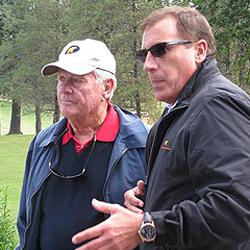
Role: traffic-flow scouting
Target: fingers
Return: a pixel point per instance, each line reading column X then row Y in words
column 133, row 208
column 140, row 186
column 105, row 207
column 91, row 233
column 90, row 245
column 119, row 231
column 132, row 202
column 96, row 231
column 96, row 244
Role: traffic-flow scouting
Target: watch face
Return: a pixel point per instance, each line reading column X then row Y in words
column 148, row 232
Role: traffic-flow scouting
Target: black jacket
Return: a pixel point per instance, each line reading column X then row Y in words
column 198, row 154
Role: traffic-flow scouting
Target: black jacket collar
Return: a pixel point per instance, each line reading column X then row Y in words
column 207, row 69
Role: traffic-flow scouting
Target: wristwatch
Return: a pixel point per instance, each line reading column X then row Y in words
column 147, row 231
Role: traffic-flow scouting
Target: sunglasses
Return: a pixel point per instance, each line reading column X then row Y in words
column 159, row 49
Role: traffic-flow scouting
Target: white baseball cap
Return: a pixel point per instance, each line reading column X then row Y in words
column 82, row 57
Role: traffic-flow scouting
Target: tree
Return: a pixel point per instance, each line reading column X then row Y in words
column 7, row 63
column 33, row 32
column 231, row 23
column 15, row 121
column 42, row 36
column 123, row 36
column 39, row 37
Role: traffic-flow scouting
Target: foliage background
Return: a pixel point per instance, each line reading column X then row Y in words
column 7, row 229
column 33, row 32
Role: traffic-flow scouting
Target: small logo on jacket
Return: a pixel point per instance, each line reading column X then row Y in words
column 165, row 145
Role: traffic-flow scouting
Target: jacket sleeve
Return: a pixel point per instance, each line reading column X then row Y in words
column 129, row 169
column 218, row 162
column 21, row 219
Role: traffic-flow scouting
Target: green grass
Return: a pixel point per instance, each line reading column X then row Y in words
column 27, row 119
column 13, row 149
column 5, row 111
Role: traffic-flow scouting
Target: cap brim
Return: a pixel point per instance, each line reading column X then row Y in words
column 71, row 67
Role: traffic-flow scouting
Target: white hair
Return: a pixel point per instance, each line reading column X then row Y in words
column 102, row 76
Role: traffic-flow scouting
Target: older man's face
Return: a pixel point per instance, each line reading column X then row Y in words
column 78, row 96
column 168, row 74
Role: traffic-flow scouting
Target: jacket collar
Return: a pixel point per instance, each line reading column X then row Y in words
column 51, row 134
column 207, row 69
column 132, row 131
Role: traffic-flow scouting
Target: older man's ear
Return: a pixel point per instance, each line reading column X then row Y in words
column 108, row 89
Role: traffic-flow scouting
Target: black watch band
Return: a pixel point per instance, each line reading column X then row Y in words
column 147, row 217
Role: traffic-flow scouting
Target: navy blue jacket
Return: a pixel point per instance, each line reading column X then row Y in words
column 126, row 167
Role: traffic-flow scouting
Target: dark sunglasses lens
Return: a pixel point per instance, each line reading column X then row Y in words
column 141, row 55
column 158, row 50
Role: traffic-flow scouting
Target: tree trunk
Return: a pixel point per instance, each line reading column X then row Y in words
column 15, row 122
column 241, row 65
column 138, row 104
column 38, row 118
column 56, row 115
column 228, row 59
column 135, row 73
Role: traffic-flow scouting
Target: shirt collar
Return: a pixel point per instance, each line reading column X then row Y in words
column 106, row 133
column 110, row 127
column 170, row 106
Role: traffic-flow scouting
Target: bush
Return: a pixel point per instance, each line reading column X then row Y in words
column 7, row 226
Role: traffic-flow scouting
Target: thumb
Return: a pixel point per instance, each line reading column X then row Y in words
column 104, row 207
column 140, row 185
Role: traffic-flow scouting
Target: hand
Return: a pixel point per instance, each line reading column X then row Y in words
column 132, row 198
column 119, row 231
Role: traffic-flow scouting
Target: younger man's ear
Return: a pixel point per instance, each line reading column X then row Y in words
column 201, row 51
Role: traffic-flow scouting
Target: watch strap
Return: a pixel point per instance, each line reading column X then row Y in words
column 147, row 217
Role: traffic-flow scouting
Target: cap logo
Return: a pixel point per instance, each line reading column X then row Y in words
column 72, row 49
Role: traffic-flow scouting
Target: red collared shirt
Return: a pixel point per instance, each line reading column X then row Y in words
column 106, row 133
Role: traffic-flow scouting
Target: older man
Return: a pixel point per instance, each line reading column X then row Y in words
column 197, row 194
column 96, row 151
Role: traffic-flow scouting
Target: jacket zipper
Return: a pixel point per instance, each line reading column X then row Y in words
column 111, row 171
column 153, row 142
column 26, row 229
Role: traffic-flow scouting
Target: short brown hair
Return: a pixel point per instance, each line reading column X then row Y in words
column 190, row 23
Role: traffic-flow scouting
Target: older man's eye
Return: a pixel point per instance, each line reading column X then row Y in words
column 61, row 78
column 76, row 81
